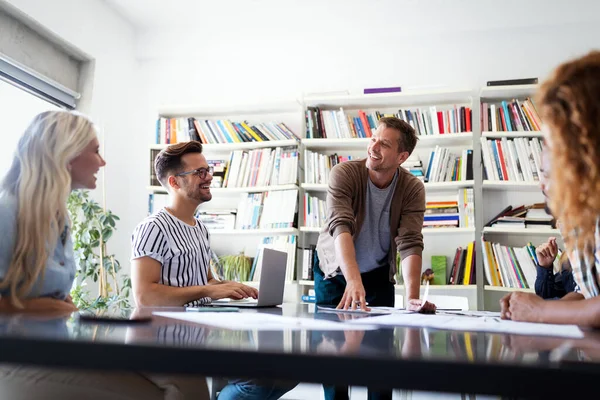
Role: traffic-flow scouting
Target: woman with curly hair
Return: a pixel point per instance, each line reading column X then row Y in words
column 569, row 105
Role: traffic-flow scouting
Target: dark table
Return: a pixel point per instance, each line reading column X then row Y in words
column 403, row 358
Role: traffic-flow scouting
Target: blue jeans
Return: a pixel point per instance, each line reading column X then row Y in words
column 379, row 292
column 252, row 390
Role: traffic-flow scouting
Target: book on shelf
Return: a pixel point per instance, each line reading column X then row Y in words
column 219, row 168
column 286, row 244
column 309, row 259
column 414, row 165
column 506, row 266
column 326, row 123
column 395, row 89
column 217, row 219
column 450, row 210
column 310, row 297
column 156, row 202
column 153, row 178
column 438, row 266
column 268, row 210
column 317, row 166
column 462, row 270
column 314, row 211
column 517, row 160
column 207, row 131
column 262, row 167
column 510, row 116
column 509, row 82
column 445, row 166
column 533, row 216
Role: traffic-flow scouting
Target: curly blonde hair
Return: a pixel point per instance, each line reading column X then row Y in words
column 569, row 105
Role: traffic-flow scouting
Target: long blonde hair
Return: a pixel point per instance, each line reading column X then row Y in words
column 40, row 180
column 569, row 103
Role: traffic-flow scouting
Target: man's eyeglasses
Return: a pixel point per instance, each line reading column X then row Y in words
column 200, row 172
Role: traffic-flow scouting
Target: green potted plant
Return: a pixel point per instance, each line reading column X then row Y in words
column 236, row 267
column 91, row 227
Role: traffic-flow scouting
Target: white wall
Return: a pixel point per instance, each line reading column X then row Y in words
column 242, row 51
column 92, row 27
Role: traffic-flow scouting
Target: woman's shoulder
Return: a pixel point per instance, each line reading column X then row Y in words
column 8, row 208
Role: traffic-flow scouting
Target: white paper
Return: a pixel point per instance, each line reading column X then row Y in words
column 260, row 321
column 374, row 310
column 468, row 323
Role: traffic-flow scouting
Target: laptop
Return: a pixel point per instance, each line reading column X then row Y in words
column 270, row 286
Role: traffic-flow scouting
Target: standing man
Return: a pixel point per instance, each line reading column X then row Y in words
column 374, row 209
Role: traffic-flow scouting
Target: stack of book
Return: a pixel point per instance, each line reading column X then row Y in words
column 176, row 130
column 318, row 166
column 442, row 213
column 444, row 166
column 506, row 266
column 337, row 123
column 262, row 167
column 217, row 219
column 414, row 165
column 532, row 216
column 462, row 271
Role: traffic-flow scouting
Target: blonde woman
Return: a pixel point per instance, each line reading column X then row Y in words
column 569, row 105
column 58, row 153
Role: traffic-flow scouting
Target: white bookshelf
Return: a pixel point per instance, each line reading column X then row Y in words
column 438, row 241
column 254, row 232
column 512, row 134
column 236, row 190
column 511, row 185
column 521, row 231
column 210, row 147
column 495, row 195
column 490, row 288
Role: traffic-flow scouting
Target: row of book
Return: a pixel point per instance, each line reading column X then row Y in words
column 506, row 266
column 445, row 166
column 450, row 211
column 315, row 211
column 534, row 216
column 516, row 159
column 267, row 210
column 322, row 123
column 283, row 243
column 462, row 271
column 515, row 115
column 317, row 166
column 262, row 167
column 309, row 259
column 175, row 130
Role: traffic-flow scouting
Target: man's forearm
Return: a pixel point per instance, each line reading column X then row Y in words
column 582, row 312
column 156, row 294
column 346, row 254
column 572, row 296
column 411, row 271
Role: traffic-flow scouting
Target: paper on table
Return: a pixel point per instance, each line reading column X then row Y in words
column 374, row 310
column 265, row 322
column 468, row 323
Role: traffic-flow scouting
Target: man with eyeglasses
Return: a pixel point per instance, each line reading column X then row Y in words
column 171, row 253
column 171, row 249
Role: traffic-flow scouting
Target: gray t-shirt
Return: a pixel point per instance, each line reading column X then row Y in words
column 372, row 244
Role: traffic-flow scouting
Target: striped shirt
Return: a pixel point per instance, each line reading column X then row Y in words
column 182, row 250
column 585, row 270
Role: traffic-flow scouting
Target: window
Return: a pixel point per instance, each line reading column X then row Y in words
column 17, row 109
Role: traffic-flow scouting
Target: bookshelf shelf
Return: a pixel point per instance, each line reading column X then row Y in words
column 408, row 98
column 448, row 185
column 511, row 185
column 224, row 191
column 446, row 139
column 447, row 231
column 314, row 187
column 255, row 232
column 503, row 92
column 521, row 231
column 322, row 187
column 310, row 229
column 237, row 146
column 513, row 134
column 212, row 111
column 441, row 288
column 306, row 283
column 506, row 289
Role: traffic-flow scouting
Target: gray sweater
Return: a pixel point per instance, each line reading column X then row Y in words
column 346, row 199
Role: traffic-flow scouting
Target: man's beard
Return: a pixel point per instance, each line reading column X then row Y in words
column 198, row 194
